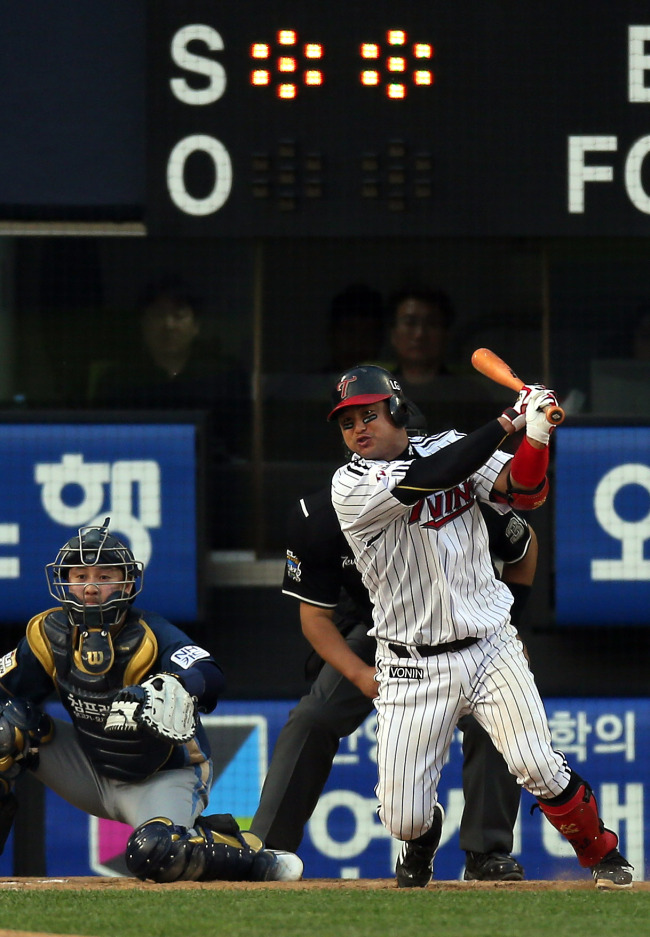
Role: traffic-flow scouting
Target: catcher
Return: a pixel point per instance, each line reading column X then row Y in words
column 134, row 749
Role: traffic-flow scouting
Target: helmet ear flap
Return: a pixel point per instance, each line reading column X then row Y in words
column 399, row 410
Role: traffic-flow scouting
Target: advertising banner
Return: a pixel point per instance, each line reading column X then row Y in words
column 606, row 740
column 602, row 525
column 55, row 478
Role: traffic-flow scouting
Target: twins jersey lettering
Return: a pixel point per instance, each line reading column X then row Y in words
column 422, row 595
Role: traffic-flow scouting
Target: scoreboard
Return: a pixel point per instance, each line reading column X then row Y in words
column 483, row 117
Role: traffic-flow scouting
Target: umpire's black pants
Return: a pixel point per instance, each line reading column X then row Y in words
column 334, row 707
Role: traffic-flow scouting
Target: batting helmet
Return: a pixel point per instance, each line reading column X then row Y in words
column 370, row 384
column 95, row 546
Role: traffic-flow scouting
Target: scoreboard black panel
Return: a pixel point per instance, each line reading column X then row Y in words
column 481, row 117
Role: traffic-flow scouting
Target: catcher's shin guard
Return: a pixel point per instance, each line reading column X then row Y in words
column 578, row 821
column 163, row 852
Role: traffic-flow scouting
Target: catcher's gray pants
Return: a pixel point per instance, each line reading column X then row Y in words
column 180, row 794
column 303, row 755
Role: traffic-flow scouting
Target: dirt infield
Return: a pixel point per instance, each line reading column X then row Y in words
column 367, row 884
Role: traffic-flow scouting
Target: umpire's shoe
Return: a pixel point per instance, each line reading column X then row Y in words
column 492, row 867
column 415, row 861
column 612, row 872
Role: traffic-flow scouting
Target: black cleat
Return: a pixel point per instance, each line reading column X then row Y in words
column 415, row 861
column 612, row 872
column 492, row 867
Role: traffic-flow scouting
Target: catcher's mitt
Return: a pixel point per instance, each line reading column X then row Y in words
column 161, row 705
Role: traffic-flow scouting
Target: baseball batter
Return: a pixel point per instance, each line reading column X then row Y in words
column 335, row 614
column 133, row 749
column 445, row 644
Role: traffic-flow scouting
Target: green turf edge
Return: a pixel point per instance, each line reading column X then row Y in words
column 324, row 913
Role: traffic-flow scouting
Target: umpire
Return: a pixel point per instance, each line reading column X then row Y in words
column 335, row 614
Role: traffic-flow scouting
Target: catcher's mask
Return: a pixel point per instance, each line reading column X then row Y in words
column 370, row 384
column 95, row 546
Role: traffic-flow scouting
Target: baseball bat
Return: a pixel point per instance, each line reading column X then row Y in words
column 489, row 364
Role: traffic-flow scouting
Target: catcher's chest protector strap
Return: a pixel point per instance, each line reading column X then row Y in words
column 135, row 652
column 39, row 642
column 579, row 823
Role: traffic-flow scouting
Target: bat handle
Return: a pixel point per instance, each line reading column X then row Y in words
column 555, row 415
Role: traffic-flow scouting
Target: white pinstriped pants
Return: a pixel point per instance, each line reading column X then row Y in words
column 421, row 700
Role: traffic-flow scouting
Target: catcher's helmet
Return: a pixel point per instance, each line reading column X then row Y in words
column 95, row 546
column 370, row 384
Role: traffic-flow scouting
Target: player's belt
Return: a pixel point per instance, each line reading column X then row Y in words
column 430, row 650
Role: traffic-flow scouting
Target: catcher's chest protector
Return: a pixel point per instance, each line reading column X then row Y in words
column 88, row 697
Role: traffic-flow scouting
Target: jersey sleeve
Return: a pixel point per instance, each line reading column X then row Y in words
column 486, row 476
column 482, row 478
column 197, row 670
column 22, row 674
column 363, row 498
column 313, row 568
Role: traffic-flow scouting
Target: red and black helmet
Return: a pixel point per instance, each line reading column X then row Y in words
column 370, row 384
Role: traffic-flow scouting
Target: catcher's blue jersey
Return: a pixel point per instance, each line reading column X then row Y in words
column 48, row 660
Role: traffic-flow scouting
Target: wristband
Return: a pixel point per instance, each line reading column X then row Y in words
column 529, row 465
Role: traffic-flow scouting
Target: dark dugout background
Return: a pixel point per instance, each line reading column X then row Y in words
column 470, row 184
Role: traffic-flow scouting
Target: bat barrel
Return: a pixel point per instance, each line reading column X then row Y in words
column 496, row 369
column 555, row 415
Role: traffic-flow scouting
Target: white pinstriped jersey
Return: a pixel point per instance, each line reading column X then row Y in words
column 427, row 566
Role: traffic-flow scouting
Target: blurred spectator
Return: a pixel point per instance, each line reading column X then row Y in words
column 356, row 328
column 420, row 322
column 168, row 365
column 356, row 335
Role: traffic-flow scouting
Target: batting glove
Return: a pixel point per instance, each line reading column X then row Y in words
column 516, row 414
column 537, row 426
column 524, row 395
